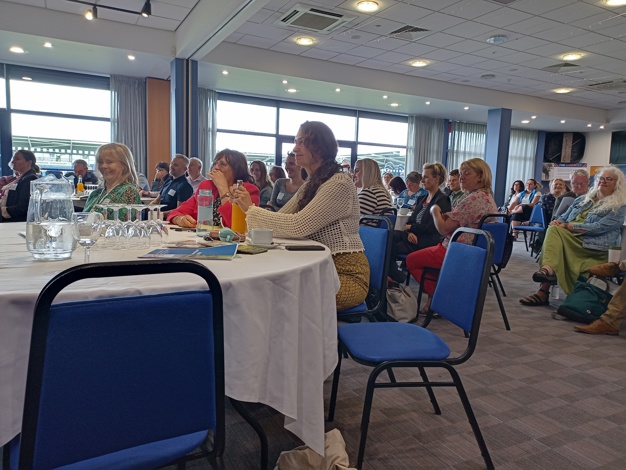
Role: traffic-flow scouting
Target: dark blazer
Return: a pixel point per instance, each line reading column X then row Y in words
column 426, row 231
column 17, row 200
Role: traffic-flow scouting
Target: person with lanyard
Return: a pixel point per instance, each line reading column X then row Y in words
column 116, row 164
column 412, row 192
column 285, row 188
column 521, row 208
column 178, row 190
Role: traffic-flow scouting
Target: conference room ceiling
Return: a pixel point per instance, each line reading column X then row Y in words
column 368, row 58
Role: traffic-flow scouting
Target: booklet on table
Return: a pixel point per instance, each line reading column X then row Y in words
column 195, row 251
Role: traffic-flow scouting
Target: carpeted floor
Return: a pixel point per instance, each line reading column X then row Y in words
column 545, row 398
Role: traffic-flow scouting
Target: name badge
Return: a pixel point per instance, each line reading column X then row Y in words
column 280, row 196
column 171, row 192
column 411, row 202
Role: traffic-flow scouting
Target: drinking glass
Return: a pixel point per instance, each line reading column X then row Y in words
column 86, row 228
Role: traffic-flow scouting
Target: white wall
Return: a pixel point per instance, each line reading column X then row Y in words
column 597, row 148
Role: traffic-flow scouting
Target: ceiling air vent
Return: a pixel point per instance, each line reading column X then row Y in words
column 408, row 32
column 561, row 67
column 610, row 85
column 313, row 19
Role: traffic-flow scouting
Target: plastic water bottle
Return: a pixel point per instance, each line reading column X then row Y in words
column 205, row 212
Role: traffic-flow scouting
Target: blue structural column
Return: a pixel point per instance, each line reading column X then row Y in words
column 497, row 149
column 184, row 107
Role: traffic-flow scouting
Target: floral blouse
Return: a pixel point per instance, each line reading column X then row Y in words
column 470, row 210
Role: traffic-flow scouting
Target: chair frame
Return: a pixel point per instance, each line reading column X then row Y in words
column 533, row 229
column 120, row 269
column 447, row 364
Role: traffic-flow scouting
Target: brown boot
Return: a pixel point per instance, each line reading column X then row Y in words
column 605, row 270
column 598, row 327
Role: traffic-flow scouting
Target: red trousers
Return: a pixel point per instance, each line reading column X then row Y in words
column 431, row 257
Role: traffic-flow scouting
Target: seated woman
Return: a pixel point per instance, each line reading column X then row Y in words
column 387, row 177
column 285, row 188
column 582, row 236
column 373, row 197
column 116, row 164
column 396, row 186
column 258, row 170
column 420, row 231
column 228, row 167
column 476, row 180
column 325, row 209
column 522, row 206
column 16, row 194
column 276, row 172
column 412, row 191
column 557, row 187
column 516, row 189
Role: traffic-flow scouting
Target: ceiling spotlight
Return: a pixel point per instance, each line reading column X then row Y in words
column 92, row 14
column 533, row 117
column 466, row 108
column 497, row 39
column 17, row 50
column 562, row 90
column 525, row 121
column 394, row 105
column 292, row 90
column 367, row 6
column 562, row 121
column 589, row 125
column 305, row 41
column 285, row 82
column 131, row 57
column 224, row 72
column 146, row 10
column 28, row 79
column 384, row 97
column 572, row 56
column 615, row 3
column 601, row 127
column 428, row 103
column 47, row 44
column 419, row 63
column 337, row 90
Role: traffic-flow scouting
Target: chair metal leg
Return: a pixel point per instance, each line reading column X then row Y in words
column 494, row 284
column 471, row 417
column 500, row 284
column 241, row 409
column 365, row 418
column 392, row 376
column 525, row 240
column 335, row 387
column 431, row 393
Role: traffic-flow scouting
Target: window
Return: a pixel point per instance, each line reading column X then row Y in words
column 3, row 96
column 382, row 132
column 253, row 146
column 246, row 117
column 344, row 127
column 389, row 159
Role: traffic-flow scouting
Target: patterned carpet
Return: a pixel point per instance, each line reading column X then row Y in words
column 545, row 398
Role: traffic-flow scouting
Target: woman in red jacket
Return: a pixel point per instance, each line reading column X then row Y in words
column 228, row 167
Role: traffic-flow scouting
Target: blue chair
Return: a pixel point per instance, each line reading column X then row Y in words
column 124, row 382
column 500, row 231
column 377, row 241
column 536, row 224
column 459, row 297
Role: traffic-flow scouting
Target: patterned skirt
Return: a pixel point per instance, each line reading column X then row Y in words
column 354, row 275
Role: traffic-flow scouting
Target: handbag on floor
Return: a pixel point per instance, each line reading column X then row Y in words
column 587, row 302
column 401, row 303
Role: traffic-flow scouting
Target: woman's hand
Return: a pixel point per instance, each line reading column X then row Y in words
column 241, row 197
column 185, row 221
column 219, row 180
column 407, row 227
column 412, row 238
column 556, row 223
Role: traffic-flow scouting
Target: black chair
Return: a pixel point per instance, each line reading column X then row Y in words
column 501, row 233
column 125, row 382
column 459, row 297
column 377, row 241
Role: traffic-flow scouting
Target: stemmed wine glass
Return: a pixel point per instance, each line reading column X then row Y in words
column 86, row 228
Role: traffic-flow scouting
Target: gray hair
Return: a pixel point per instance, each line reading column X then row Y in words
column 615, row 200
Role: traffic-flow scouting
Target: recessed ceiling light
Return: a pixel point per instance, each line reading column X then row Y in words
column 419, row 63
column 533, row 117
column 131, row 57
column 337, row 90
column 488, row 76
column 28, row 79
column 305, row 41
column 384, row 97
column 615, row 3
column 601, row 127
column 394, row 105
column 497, row 39
column 285, row 82
column 562, row 121
column 47, row 44
column 224, row 72
column 466, row 108
column 525, row 121
column 17, row 50
column 367, row 6
column 572, row 56
column 292, row 90
column 589, row 125
column 427, row 103
column 562, row 90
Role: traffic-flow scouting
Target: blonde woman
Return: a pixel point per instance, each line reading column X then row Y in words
column 116, row 164
column 582, row 236
column 373, row 197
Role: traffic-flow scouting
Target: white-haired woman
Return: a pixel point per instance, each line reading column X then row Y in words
column 582, row 236
column 373, row 196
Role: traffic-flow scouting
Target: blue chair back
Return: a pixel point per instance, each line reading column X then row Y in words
column 462, row 285
column 116, row 373
column 537, row 216
column 498, row 230
column 377, row 243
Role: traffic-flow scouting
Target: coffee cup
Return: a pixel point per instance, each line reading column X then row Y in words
column 261, row 236
column 403, row 211
column 615, row 254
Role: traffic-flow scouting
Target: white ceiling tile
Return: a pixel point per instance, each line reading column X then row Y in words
column 601, row 21
column 277, row 4
column 470, row 10
column 414, row 49
column 436, row 4
column 613, row 66
column 518, row 57
column 262, row 15
column 527, row 44
column 492, row 65
column 441, row 54
column 394, row 57
column 437, row 22
column 234, row 37
column 584, row 40
column 287, row 47
column 531, row 26
column 387, row 43
column 316, row 53
column 551, row 50
column 120, row 17
column 503, row 17
column 263, row 43
column 560, row 33
column 575, row 11
column 366, row 52
column 444, row 67
column 378, row 26
column 166, row 10
column 35, row 3
column 467, row 59
column 468, row 46
column 607, row 47
column 158, row 23
column 493, row 52
column 615, row 32
column 346, row 59
column 266, row 31
column 399, row 68
column 189, row 4
column 374, row 64
column 404, row 13
column 469, row 29
column 334, row 45
column 355, row 37
column 440, row 40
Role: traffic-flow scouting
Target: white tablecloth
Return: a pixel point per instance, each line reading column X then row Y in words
column 280, row 324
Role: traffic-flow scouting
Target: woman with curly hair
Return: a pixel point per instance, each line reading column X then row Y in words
column 325, row 209
column 582, row 236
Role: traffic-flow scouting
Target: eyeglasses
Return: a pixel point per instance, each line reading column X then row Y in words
column 608, row 179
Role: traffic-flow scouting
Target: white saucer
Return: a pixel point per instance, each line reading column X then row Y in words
column 269, row 246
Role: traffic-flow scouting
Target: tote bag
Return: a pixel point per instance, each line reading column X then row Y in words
column 401, row 303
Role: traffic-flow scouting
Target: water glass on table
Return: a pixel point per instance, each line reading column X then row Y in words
column 86, row 228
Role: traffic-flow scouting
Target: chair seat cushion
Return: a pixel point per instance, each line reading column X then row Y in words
column 151, row 455
column 522, row 228
column 393, row 341
column 362, row 307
